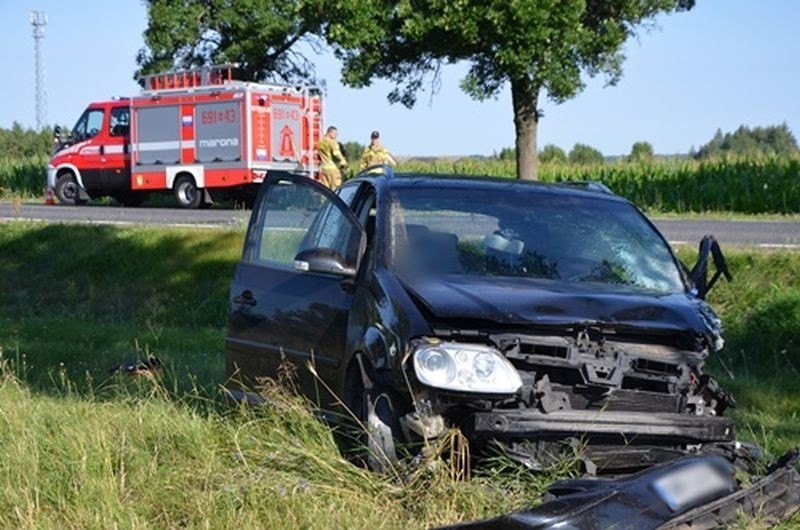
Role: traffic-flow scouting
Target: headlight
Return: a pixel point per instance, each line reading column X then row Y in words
column 465, row 368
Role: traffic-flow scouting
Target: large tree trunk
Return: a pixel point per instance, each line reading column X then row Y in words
column 524, row 96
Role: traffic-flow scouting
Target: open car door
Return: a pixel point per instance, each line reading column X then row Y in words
column 291, row 293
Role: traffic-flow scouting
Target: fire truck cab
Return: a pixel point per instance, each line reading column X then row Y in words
column 198, row 134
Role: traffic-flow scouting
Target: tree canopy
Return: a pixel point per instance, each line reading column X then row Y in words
column 19, row 142
column 536, row 46
column 259, row 35
column 585, row 155
column 552, row 154
column 641, row 152
column 771, row 140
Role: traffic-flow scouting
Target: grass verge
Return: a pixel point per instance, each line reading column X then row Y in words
column 83, row 450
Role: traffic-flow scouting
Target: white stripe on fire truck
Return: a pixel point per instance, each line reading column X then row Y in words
column 113, row 149
column 165, row 146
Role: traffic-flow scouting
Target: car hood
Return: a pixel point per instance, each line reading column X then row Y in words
column 548, row 303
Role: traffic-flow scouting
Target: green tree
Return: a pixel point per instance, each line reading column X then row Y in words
column 352, row 152
column 583, row 154
column 259, row 35
column 536, row 46
column 552, row 154
column 641, row 152
column 771, row 140
column 506, row 153
column 18, row 142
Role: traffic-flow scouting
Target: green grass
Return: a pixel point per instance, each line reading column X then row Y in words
column 83, row 449
column 761, row 313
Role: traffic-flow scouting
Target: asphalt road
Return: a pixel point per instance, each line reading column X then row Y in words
column 765, row 234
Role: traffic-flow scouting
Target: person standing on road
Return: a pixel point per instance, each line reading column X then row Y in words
column 332, row 161
column 375, row 154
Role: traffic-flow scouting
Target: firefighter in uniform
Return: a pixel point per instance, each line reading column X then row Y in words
column 332, row 161
column 375, row 154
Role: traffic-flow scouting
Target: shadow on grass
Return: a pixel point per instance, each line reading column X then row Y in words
column 78, row 300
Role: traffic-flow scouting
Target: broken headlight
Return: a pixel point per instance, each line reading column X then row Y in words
column 465, row 368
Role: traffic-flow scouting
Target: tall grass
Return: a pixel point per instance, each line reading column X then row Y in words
column 23, row 177
column 132, row 456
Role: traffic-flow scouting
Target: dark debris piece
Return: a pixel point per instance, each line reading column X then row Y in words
column 150, row 367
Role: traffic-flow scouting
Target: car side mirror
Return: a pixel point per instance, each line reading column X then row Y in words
column 57, row 134
column 699, row 273
column 325, row 260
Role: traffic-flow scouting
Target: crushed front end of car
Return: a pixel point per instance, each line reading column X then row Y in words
column 624, row 392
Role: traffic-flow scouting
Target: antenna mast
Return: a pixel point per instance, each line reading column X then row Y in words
column 38, row 20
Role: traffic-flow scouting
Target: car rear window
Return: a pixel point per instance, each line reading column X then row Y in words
column 513, row 232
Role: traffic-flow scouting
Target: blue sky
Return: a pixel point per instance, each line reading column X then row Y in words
column 723, row 64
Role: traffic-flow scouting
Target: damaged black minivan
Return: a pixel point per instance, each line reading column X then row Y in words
column 537, row 318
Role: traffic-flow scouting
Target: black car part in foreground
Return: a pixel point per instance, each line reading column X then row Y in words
column 697, row 492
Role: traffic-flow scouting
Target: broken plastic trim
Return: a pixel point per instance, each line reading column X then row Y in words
column 632, row 501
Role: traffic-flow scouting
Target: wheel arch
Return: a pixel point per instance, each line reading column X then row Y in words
column 196, row 172
column 63, row 169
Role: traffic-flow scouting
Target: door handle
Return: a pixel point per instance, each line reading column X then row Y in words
column 246, row 299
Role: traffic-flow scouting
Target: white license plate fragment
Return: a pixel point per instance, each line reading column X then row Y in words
column 690, row 483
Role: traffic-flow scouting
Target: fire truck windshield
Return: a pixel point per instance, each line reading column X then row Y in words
column 88, row 125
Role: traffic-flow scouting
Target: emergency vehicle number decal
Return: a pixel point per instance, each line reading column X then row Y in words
column 211, row 117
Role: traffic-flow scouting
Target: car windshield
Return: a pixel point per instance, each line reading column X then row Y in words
column 513, row 232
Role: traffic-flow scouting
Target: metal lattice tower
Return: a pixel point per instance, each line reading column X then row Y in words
column 38, row 20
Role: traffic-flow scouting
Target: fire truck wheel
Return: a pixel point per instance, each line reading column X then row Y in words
column 67, row 190
column 186, row 192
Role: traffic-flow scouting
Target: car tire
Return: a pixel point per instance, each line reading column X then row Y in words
column 186, row 192
column 67, row 190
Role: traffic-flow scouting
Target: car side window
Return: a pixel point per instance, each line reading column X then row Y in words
column 119, row 121
column 285, row 216
column 333, row 230
column 347, row 193
column 293, row 217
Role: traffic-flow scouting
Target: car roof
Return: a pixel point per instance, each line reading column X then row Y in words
column 488, row 183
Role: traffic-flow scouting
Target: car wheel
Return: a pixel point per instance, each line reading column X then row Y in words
column 67, row 190
column 187, row 194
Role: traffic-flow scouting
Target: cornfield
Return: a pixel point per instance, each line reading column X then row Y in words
column 748, row 185
column 23, row 177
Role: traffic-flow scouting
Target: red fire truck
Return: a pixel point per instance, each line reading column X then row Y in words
column 199, row 134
